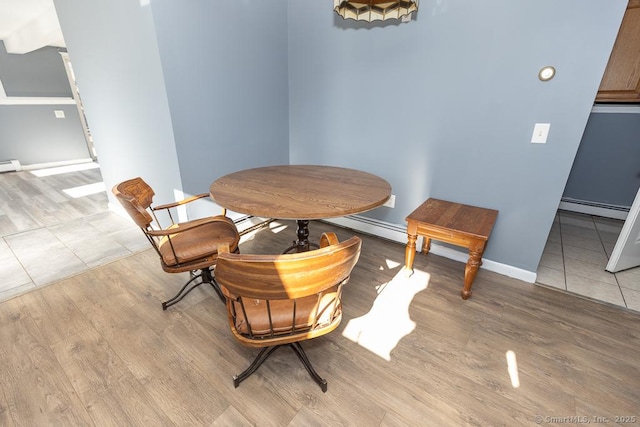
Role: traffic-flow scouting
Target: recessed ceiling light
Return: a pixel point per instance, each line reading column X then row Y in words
column 546, row 73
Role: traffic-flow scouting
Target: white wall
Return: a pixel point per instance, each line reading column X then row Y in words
column 114, row 52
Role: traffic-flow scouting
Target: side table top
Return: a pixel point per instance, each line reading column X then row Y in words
column 470, row 220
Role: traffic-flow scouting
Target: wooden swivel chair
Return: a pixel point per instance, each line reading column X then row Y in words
column 190, row 246
column 276, row 300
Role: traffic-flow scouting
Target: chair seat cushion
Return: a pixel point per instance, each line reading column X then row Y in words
column 200, row 242
column 282, row 314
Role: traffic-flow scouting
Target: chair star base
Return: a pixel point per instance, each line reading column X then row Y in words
column 206, row 276
column 264, row 355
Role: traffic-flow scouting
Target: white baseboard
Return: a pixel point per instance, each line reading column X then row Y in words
column 593, row 208
column 398, row 233
column 35, row 166
column 246, row 223
column 33, row 100
column 117, row 209
column 10, row 166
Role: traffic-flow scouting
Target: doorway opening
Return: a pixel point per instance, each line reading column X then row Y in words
column 76, row 96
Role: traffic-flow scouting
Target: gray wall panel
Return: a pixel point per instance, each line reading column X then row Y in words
column 33, row 135
column 607, row 166
column 38, row 73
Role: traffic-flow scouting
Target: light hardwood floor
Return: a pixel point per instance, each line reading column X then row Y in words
column 97, row 349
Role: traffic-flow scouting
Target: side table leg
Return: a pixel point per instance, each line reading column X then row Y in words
column 410, row 253
column 474, row 262
column 426, row 245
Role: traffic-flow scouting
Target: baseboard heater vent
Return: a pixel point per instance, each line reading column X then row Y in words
column 594, row 208
column 10, row 166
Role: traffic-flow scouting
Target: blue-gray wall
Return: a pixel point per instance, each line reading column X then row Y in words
column 225, row 71
column 606, row 169
column 444, row 106
column 31, row 133
column 39, row 73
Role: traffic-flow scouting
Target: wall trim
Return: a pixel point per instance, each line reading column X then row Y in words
column 398, row 233
column 35, row 166
column 632, row 109
column 29, row 100
column 594, row 208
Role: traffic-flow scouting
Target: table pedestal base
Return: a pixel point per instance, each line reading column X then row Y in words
column 302, row 244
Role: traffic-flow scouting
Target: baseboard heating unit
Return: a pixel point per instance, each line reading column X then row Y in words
column 594, row 208
column 10, row 166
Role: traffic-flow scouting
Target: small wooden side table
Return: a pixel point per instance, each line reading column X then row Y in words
column 454, row 223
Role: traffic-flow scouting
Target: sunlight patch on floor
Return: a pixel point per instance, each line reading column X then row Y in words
column 276, row 227
column 64, row 169
column 388, row 321
column 85, row 190
column 512, row 368
column 391, row 264
column 250, row 228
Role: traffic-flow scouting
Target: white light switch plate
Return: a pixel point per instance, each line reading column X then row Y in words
column 540, row 133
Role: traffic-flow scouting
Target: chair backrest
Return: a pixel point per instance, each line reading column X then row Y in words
column 270, row 296
column 287, row 276
column 135, row 196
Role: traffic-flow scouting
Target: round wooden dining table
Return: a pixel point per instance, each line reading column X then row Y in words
column 301, row 193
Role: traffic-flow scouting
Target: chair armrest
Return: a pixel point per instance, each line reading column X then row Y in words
column 185, row 227
column 328, row 239
column 181, row 202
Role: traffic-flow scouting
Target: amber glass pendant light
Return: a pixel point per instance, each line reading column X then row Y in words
column 374, row 10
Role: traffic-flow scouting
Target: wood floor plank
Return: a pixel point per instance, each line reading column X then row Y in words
column 231, row 417
column 5, row 413
column 55, row 313
column 13, row 310
column 165, row 372
column 219, row 356
column 109, row 391
column 36, row 389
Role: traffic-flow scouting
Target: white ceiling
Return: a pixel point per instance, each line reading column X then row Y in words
column 27, row 25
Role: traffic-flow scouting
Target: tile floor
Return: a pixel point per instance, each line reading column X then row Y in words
column 575, row 256
column 46, row 235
